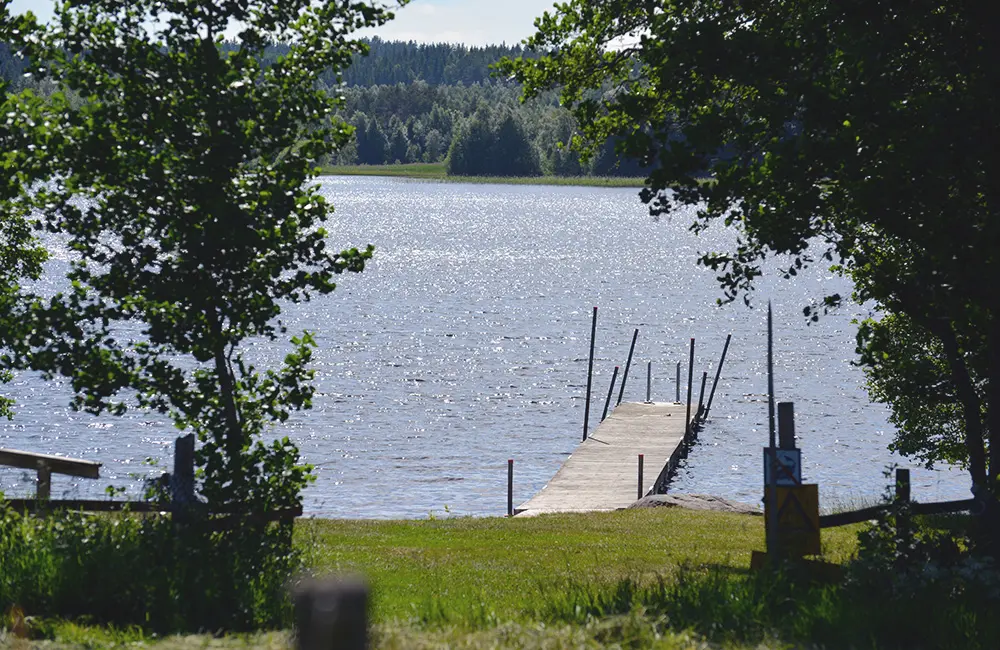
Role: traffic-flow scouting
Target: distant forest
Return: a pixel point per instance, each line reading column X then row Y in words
column 413, row 102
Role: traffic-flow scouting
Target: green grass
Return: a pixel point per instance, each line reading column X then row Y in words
column 437, row 171
column 661, row 578
column 478, row 569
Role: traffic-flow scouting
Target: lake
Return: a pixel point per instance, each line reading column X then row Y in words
column 465, row 343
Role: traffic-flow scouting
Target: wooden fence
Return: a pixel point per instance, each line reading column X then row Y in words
column 183, row 504
column 902, row 496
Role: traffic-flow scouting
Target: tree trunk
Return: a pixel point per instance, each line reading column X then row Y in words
column 971, row 405
column 234, row 436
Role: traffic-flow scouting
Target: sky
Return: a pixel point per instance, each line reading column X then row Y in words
column 473, row 22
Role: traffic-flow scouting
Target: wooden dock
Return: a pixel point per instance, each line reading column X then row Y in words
column 602, row 474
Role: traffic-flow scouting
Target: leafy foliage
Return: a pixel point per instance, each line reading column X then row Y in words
column 21, row 256
column 182, row 184
column 128, row 570
column 850, row 132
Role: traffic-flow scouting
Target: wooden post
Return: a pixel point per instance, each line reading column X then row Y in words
column 43, row 490
column 640, row 491
column 718, row 371
column 510, row 487
column 701, row 398
column 331, row 614
column 677, row 383
column 903, row 485
column 903, row 501
column 786, row 425
column 649, row 382
column 590, row 375
column 182, row 482
column 611, row 390
column 687, row 417
column 628, row 364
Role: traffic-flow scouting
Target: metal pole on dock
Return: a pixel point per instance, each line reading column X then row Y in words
column 590, row 375
column 611, row 390
column 640, row 490
column 718, row 371
column 510, row 487
column 628, row 364
column 770, row 376
column 773, row 545
column 677, row 383
column 649, row 382
column 687, row 418
column 701, row 397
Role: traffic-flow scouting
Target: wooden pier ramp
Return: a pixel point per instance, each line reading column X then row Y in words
column 602, row 474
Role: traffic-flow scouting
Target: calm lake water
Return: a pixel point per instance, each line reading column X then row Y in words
column 465, row 343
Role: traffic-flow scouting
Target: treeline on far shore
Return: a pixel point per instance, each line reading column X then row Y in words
column 439, row 103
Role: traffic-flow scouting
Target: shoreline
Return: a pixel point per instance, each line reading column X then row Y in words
column 437, row 172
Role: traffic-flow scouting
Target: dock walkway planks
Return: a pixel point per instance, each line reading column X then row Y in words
column 602, row 474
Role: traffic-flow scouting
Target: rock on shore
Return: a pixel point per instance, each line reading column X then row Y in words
column 696, row 502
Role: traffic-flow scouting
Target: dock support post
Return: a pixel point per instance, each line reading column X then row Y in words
column 701, row 400
column 510, row 487
column 611, row 390
column 677, row 383
column 628, row 364
column 590, row 375
column 640, row 490
column 718, row 371
column 687, row 417
column 649, row 382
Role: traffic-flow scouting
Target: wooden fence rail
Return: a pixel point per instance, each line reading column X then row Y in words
column 866, row 514
column 902, row 496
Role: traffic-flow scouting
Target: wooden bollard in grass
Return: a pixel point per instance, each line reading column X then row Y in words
column 639, row 494
column 331, row 614
column 510, row 487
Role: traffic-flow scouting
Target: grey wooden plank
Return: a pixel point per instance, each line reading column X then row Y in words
column 602, row 473
column 57, row 464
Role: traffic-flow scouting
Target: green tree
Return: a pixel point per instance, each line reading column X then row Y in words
column 490, row 145
column 371, row 141
column 470, row 148
column 856, row 132
column 21, row 256
column 183, row 184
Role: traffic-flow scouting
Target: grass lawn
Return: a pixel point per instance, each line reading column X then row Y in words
column 437, row 171
column 494, row 582
column 467, row 568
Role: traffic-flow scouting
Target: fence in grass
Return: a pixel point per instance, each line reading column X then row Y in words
column 179, row 483
column 902, row 497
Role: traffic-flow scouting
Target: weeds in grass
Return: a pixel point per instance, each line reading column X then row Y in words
column 126, row 570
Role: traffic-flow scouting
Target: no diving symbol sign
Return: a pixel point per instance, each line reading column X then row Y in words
column 787, row 464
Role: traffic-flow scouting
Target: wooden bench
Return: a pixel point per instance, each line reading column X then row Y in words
column 46, row 464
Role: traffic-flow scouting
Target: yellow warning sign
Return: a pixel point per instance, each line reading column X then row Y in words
column 798, row 518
